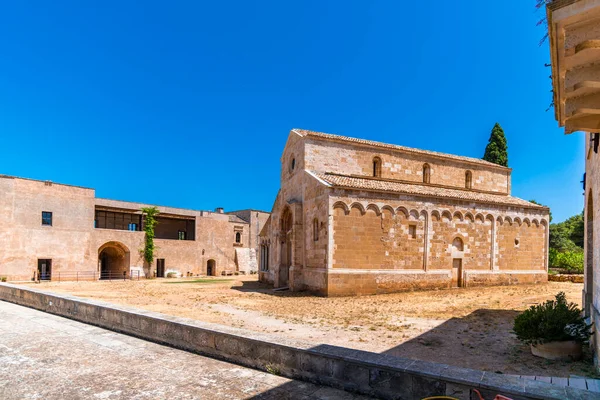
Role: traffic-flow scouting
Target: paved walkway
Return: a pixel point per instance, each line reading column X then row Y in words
column 43, row 356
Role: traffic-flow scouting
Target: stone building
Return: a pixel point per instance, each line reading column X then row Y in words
column 58, row 231
column 355, row 216
column 574, row 34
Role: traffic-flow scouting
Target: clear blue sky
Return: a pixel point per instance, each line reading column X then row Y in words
column 189, row 104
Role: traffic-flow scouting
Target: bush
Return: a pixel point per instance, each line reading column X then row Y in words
column 570, row 261
column 3, row 279
column 552, row 321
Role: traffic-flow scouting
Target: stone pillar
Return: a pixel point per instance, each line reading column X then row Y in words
column 493, row 246
column 426, row 240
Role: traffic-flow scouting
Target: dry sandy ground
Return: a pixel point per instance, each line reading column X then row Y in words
column 465, row 327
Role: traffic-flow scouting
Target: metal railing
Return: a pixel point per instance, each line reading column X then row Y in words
column 93, row 276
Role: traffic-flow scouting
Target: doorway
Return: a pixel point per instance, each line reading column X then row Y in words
column 457, row 273
column 160, row 267
column 211, row 268
column 44, row 269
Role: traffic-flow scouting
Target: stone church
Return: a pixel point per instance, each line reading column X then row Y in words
column 355, row 217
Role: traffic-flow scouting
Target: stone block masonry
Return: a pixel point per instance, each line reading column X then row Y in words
column 383, row 376
column 356, row 217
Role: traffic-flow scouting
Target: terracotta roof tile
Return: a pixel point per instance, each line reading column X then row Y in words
column 353, row 182
column 332, row 137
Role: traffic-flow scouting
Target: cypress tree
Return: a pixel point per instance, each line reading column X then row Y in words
column 496, row 150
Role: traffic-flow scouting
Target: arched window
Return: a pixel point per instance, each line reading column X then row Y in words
column 238, row 237
column 377, row 167
column 457, row 243
column 468, row 179
column 315, row 229
column 426, row 173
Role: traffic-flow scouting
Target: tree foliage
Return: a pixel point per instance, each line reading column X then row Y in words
column 149, row 225
column 496, row 150
column 566, row 244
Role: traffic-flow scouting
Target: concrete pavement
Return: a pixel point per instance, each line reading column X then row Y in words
column 43, row 356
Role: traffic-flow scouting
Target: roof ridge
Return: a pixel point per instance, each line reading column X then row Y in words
column 368, row 142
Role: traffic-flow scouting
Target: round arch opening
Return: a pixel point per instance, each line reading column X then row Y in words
column 113, row 260
column 211, row 267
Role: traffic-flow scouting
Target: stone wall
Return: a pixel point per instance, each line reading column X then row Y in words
column 379, row 241
column 74, row 245
column 23, row 238
column 353, row 159
column 591, row 291
column 382, row 376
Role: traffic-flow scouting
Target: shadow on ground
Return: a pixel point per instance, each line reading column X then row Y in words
column 482, row 340
column 265, row 288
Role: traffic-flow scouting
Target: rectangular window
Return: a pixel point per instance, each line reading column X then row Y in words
column 181, row 235
column 412, row 231
column 132, row 227
column 46, row 218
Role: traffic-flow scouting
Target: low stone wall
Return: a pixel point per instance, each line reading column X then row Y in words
column 366, row 282
column 383, row 376
column 497, row 278
column 566, row 278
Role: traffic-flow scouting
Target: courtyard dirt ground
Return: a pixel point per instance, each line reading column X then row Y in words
column 468, row 327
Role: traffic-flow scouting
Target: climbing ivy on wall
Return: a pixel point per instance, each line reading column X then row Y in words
column 149, row 224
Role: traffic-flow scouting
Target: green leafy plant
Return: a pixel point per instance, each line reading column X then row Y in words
column 272, row 369
column 3, row 279
column 150, row 222
column 552, row 321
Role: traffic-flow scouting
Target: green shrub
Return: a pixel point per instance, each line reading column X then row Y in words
column 552, row 321
column 3, row 279
column 570, row 261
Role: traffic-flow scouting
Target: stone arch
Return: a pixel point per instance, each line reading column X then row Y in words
column 374, row 207
column 527, row 221
column 342, row 205
column 458, row 215
column 435, row 215
column 286, row 249
column 359, row 207
column 211, row 267
column 509, row 220
column 446, row 214
column 113, row 260
column 517, row 221
column 543, row 222
column 458, row 244
column 414, row 214
column 469, row 216
column 388, row 208
column 402, row 210
column 535, row 222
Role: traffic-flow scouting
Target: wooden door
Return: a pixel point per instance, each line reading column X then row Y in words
column 457, row 272
column 160, row 268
